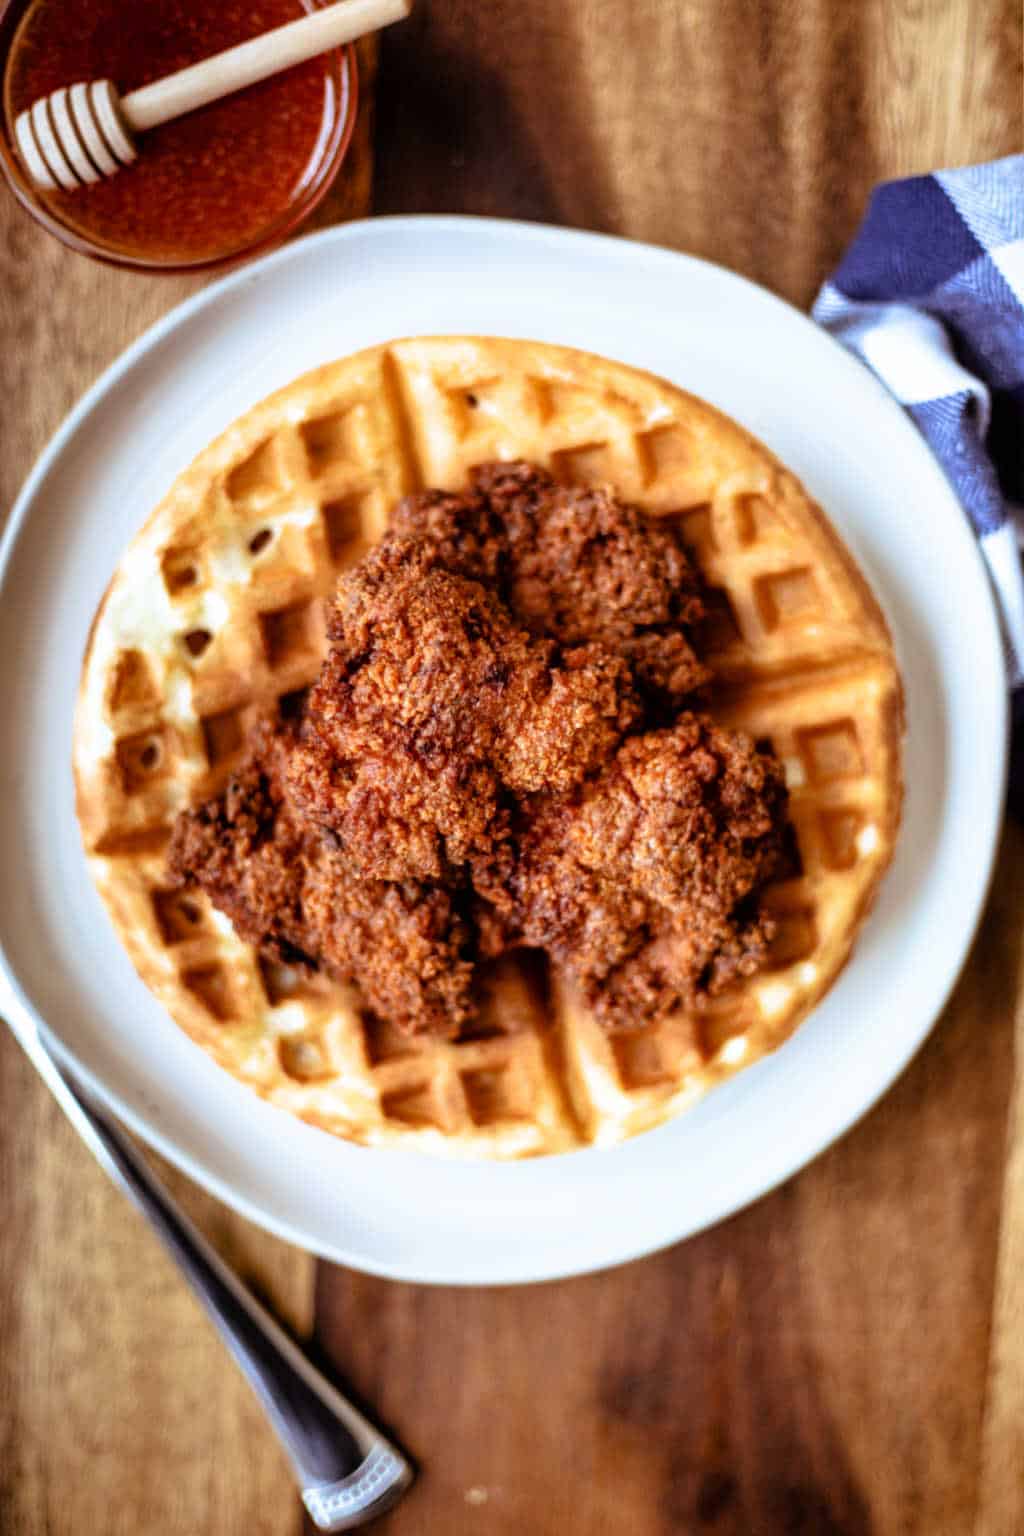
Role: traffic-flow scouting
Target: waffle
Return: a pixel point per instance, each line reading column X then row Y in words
column 216, row 613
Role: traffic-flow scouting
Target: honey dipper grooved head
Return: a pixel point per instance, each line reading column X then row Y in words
column 76, row 135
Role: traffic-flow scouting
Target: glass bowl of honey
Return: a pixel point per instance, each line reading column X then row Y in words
column 223, row 183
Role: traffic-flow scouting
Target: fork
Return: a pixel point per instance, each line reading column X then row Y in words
column 347, row 1472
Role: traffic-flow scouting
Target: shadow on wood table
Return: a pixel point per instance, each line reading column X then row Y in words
column 818, row 1364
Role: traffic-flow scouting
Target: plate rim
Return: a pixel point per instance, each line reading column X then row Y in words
column 12, row 995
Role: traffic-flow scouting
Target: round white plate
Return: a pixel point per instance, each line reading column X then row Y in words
column 713, row 333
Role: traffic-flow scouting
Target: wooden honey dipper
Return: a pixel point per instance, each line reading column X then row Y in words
column 83, row 132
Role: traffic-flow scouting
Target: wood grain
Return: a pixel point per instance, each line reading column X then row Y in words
column 846, row 1356
column 119, row 1409
column 747, row 131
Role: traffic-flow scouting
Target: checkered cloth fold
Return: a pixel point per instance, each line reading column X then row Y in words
column 931, row 296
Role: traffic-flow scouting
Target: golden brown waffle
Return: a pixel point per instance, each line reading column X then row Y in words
column 216, row 613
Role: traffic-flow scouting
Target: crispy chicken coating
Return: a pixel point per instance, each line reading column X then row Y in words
column 434, row 709
column 502, row 751
column 573, row 563
column 287, row 890
column 638, row 882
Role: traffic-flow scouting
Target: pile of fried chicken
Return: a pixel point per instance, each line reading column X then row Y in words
column 507, row 747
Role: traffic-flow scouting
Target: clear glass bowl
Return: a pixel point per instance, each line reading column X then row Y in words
column 330, row 152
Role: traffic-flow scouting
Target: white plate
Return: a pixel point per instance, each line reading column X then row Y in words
column 713, row 333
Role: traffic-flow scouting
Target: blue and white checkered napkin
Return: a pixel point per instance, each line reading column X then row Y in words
column 931, row 296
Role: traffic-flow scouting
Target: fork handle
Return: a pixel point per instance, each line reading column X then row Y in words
column 347, row 1471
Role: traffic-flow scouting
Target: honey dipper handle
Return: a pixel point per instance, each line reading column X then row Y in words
column 262, row 56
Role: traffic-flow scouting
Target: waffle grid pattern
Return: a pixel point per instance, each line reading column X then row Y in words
column 216, row 613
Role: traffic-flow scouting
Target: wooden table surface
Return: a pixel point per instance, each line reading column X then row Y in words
column 847, row 1356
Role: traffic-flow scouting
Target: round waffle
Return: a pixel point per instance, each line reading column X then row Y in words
column 216, row 613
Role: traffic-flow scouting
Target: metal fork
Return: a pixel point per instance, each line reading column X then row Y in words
column 348, row 1473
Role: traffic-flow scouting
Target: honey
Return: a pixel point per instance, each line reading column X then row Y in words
column 206, row 186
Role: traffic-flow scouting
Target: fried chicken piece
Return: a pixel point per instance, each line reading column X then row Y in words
column 290, row 893
column 465, row 533
column 574, row 564
column 463, row 780
column 433, row 709
column 639, row 883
